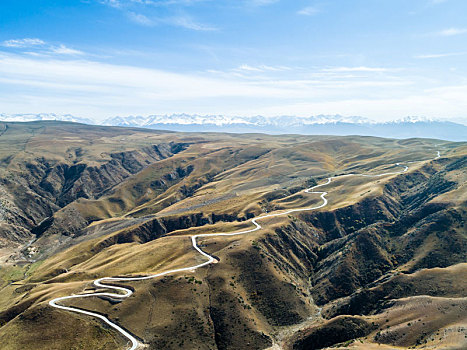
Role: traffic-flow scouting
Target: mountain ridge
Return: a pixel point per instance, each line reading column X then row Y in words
column 383, row 262
column 338, row 125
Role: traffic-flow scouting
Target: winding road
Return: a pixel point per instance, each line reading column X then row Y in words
column 125, row 292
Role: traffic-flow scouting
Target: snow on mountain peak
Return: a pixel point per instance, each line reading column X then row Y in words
column 415, row 119
column 43, row 116
column 184, row 119
column 222, row 120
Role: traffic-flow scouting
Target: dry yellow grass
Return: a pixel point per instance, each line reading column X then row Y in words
column 224, row 175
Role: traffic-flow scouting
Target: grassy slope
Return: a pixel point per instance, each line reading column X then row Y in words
column 255, row 291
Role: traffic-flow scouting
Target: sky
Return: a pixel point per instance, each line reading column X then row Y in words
column 381, row 59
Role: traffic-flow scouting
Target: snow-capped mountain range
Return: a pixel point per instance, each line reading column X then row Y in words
column 44, row 116
column 195, row 119
column 313, row 125
column 221, row 120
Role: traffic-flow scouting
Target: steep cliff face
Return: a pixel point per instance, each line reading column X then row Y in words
column 21, row 209
column 370, row 258
column 40, row 188
column 64, row 183
column 354, row 245
column 336, row 331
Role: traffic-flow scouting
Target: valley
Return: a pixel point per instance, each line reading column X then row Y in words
column 228, row 241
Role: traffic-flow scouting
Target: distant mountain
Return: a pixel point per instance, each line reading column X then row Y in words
column 226, row 121
column 44, row 116
column 315, row 125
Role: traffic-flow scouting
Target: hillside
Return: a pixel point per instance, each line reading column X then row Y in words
column 382, row 265
column 409, row 127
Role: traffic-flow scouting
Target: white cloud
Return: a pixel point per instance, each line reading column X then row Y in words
column 246, row 67
column 356, row 69
column 169, row 2
column 89, row 73
column 40, row 47
column 262, row 68
column 111, row 3
column 127, row 3
column 452, row 31
column 21, row 43
column 140, row 19
column 179, row 21
column 188, row 23
column 441, row 55
column 445, row 102
column 96, row 89
column 64, row 50
column 308, row 11
column 147, row 20
column 262, row 2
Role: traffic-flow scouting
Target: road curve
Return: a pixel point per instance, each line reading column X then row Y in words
column 125, row 292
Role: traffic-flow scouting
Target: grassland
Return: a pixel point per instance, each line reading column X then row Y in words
column 100, row 201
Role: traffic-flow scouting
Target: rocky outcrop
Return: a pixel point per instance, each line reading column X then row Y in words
column 333, row 332
column 65, row 183
column 32, row 194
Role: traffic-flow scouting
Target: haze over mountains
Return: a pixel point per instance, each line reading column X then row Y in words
column 313, row 125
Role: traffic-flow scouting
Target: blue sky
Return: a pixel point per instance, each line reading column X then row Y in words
column 382, row 59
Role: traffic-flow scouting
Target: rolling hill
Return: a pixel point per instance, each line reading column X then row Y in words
column 337, row 125
column 382, row 265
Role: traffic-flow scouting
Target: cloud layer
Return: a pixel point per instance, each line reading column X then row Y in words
column 106, row 57
column 96, row 89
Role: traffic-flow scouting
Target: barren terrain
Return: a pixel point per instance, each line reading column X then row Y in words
column 383, row 265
